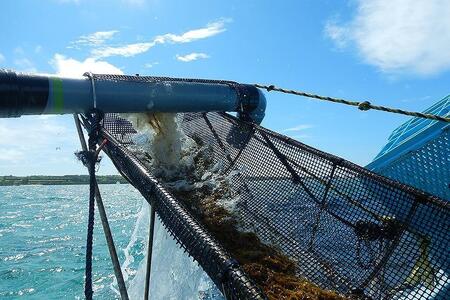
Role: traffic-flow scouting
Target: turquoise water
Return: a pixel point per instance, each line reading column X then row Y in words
column 42, row 247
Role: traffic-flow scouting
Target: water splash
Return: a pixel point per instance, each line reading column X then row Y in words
column 164, row 140
column 174, row 275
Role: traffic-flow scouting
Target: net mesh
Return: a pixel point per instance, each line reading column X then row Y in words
column 418, row 153
column 348, row 229
column 426, row 167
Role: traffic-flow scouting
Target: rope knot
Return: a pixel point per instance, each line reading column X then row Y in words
column 364, row 105
column 86, row 157
column 270, row 88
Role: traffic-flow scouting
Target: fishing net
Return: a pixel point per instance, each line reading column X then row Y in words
column 418, row 153
column 345, row 228
column 426, row 167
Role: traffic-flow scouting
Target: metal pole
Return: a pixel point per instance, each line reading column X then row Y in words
column 28, row 94
column 149, row 252
column 111, row 246
column 105, row 223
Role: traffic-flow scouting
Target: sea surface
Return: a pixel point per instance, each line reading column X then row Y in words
column 42, row 247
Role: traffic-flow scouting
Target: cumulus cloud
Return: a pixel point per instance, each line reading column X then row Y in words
column 398, row 36
column 299, row 127
column 192, row 56
column 133, row 49
column 73, row 68
column 2, row 58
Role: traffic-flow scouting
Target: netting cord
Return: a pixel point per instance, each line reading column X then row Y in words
column 90, row 158
column 364, row 105
column 90, row 227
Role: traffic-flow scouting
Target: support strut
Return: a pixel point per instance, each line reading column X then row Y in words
column 149, row 252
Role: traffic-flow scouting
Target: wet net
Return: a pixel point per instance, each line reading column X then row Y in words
column 347, row 229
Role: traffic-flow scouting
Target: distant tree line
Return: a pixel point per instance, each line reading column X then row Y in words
column 59, row 180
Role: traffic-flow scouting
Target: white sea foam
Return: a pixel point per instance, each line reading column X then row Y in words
column 172, row 157
column 160, row 137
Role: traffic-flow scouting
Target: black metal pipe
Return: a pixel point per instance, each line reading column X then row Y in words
column 26, row 94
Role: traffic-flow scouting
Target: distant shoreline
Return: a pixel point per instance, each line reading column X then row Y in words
column 59, row 180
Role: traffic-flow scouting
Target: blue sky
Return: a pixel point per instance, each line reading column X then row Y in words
column 390, row 52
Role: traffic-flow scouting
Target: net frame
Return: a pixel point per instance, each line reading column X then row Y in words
column 298, row 218
column 349, row 229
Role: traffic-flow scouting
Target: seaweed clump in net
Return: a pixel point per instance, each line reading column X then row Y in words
column 192, row 177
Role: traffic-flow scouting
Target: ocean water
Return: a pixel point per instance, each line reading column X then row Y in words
column 42, row 247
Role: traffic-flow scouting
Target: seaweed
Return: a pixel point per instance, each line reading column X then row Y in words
column 273, row 271
column 205, row 192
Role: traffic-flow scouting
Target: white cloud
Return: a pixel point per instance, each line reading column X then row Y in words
column 192, row 56
column 95, row 39
column 210, row 30
column 299, row 127
column 31, row 133
column 337, row 33
column 35, row 145
column 301, row 137
column 73, row 68
column 398, row 36
column 126, row 51
column 129, row 50
column 10, row 155
column 151, row 65
column 2, row 58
